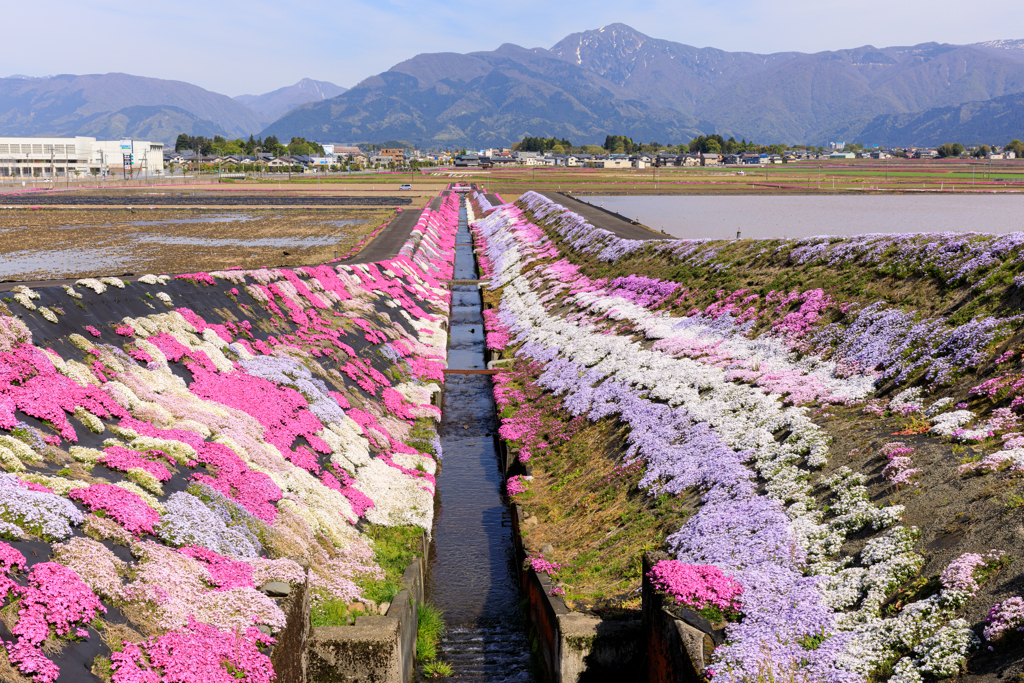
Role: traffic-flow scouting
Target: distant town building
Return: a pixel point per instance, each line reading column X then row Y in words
column 393, row 155
column 53, row 157
column 610, row 163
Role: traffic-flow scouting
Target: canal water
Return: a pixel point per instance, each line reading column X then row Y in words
column 473, row 576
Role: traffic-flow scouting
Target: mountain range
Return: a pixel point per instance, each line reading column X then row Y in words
column 616, row 80
column 612, row 80
column 118, row 105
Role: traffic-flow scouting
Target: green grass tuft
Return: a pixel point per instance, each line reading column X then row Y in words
column 430, row 628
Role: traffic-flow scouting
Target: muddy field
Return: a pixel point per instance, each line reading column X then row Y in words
column 193, row 198
column 58, row 244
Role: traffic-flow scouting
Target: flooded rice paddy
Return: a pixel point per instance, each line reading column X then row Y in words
column 61, row 244
column 775, row 217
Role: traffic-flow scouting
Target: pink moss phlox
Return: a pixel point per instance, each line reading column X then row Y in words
column 538, row 564
column 139, row 355
column 515, row 485
column 281, row 410
column 200, row 653
column 201, row 325
column 10, row 558
column 197, row 278
column 125, row 507
column 697, row 586
column 225, row 572
column 125, row 330
column 396, row 404
column 960, row 577
column 346, row 486
column 29, row 382
column 92, row 330
column 255, row 491
column 56, row 599
column 305, row 458
column 1004, row 617
column 146, row 429
column 123, row 459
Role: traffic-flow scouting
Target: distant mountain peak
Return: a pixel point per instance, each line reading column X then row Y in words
column 272, row 105
column 1009, row 44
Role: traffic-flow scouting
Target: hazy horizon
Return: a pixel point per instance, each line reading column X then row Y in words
column 237, row 48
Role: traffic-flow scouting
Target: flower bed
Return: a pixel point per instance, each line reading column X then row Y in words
column 213, row 439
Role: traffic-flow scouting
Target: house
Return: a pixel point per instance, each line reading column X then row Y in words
column 466, row 160
column 995, row 156
column 842, row 155
column 397, row 156
column 880, row 154
column 751, row 160
column 609, row 163
column 775, row 159
column 926, row 154
column 278, row 163
column 710, row 159
column 733, row 159
column 174, row 158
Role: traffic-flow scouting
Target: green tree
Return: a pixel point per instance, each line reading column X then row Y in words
column 183, row 142
column 271, row 145
column 981, row 151
column 1015, row 146
column 620, row 144
column 532, row 144
column 950, row 149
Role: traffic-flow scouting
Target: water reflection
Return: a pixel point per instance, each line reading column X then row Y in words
column 773, row 217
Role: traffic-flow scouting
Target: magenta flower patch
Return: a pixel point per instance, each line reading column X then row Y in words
column 697, row 586
column 127, row 508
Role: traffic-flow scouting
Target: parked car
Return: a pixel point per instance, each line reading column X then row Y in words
column 406, row 186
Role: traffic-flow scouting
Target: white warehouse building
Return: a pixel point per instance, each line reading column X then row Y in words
column 78, row 157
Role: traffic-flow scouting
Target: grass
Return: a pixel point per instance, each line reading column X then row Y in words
column 1014, row 501
column 394, row 548
column 592, row 511
column 437, row 670
column 334, row 612
column 429, row 630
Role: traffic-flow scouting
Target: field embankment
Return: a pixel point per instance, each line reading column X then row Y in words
column 182, row 453
column 832, row 424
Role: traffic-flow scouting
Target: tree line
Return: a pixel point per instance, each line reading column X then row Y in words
column 222, row 147
column 955, row 149
column 622, row 144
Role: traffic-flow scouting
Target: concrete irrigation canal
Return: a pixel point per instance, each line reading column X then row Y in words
column 473, row 573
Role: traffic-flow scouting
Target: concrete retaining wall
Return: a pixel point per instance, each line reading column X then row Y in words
column 376, row 649
column 574, row 646
column 289, row 653
column 678, row 642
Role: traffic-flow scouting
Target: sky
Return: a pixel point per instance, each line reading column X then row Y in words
column 251, row 47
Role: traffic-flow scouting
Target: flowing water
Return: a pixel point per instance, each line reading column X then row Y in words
column 774, row 217
column 473, row 575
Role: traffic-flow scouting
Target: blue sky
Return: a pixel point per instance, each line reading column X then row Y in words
column 236, row 47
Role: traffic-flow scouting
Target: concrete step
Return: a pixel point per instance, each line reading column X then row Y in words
column 495, row 655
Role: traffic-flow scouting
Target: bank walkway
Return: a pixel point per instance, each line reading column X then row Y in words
column 620, row 225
